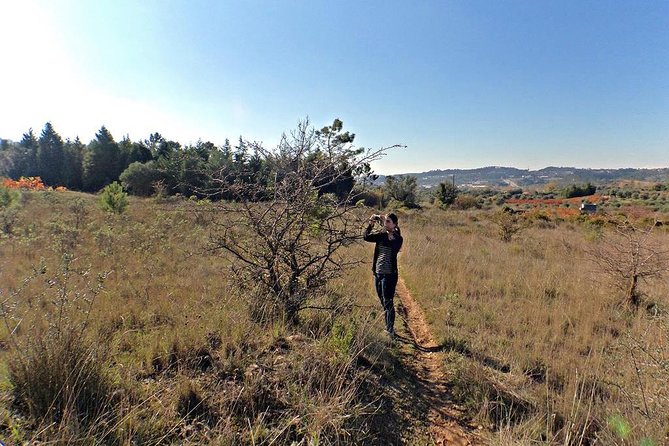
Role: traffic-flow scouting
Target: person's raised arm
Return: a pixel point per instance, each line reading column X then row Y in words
column 368, row 236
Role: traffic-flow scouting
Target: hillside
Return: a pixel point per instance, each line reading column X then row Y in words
column 495, row 176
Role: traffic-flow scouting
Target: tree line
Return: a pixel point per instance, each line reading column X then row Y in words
column 140, row 166
column 203, row 169
column 71, row 163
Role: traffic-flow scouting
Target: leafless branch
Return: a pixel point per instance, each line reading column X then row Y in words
column 286, row 237
column 630, row 255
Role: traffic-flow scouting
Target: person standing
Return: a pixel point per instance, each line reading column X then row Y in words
column 384, row 266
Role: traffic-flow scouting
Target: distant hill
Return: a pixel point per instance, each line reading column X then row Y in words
column 495, row 176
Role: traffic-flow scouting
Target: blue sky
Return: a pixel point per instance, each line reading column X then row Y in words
column 461, row 83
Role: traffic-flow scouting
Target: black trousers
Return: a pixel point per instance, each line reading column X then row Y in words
column 385, row 288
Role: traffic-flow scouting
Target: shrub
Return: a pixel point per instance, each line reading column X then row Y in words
column 138, row 178
column 446, row 193
column 579, row 190
column 160, row 191
column 370, row 197
column 466, row 202
column 630, row 257
column 57, row 371
column 79, row 212
column 9, row 203
column 508, row 223
column 113, row 199
column 9, row 197
column 402, row 189
column 60, row 377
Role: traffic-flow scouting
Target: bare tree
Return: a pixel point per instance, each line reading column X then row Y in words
column 286, row 237
column 629, row 256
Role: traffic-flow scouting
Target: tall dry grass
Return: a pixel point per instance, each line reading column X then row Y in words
column 541, row 345
column 146, row 339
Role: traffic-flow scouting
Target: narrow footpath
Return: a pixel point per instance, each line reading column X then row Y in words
column 425, row 361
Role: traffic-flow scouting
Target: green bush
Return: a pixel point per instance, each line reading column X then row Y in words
column 113, row 199
column 138, row 178
column 466, row 201
column 10, row 201
column 9, row 197
column 579, row 190
column 403, row 190
column 446, row 193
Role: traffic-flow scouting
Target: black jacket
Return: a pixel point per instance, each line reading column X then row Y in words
column 381, row 238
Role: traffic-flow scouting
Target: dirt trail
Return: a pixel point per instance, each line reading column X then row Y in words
column 446, row 423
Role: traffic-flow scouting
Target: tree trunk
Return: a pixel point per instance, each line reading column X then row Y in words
column 633, row 296
column 291, row 310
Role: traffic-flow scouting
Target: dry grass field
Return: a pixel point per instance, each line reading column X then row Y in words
column 543, row 347
column 127, row 329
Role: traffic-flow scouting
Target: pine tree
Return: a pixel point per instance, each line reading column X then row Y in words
column 24, row 159
column 50, row 156
column 240, row 155
column 227, row 151
column 139, row 153
column 73, row 166
column 446, row 193
column 153, row 142
column 125, row 148
column 167, row 148
column 101, row 162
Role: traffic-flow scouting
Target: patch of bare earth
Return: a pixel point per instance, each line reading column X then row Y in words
column 425, row 361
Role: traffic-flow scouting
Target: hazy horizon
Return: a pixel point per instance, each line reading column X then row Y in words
column 532, row 169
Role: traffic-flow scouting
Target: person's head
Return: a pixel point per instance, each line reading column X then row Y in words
column 390, row 223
